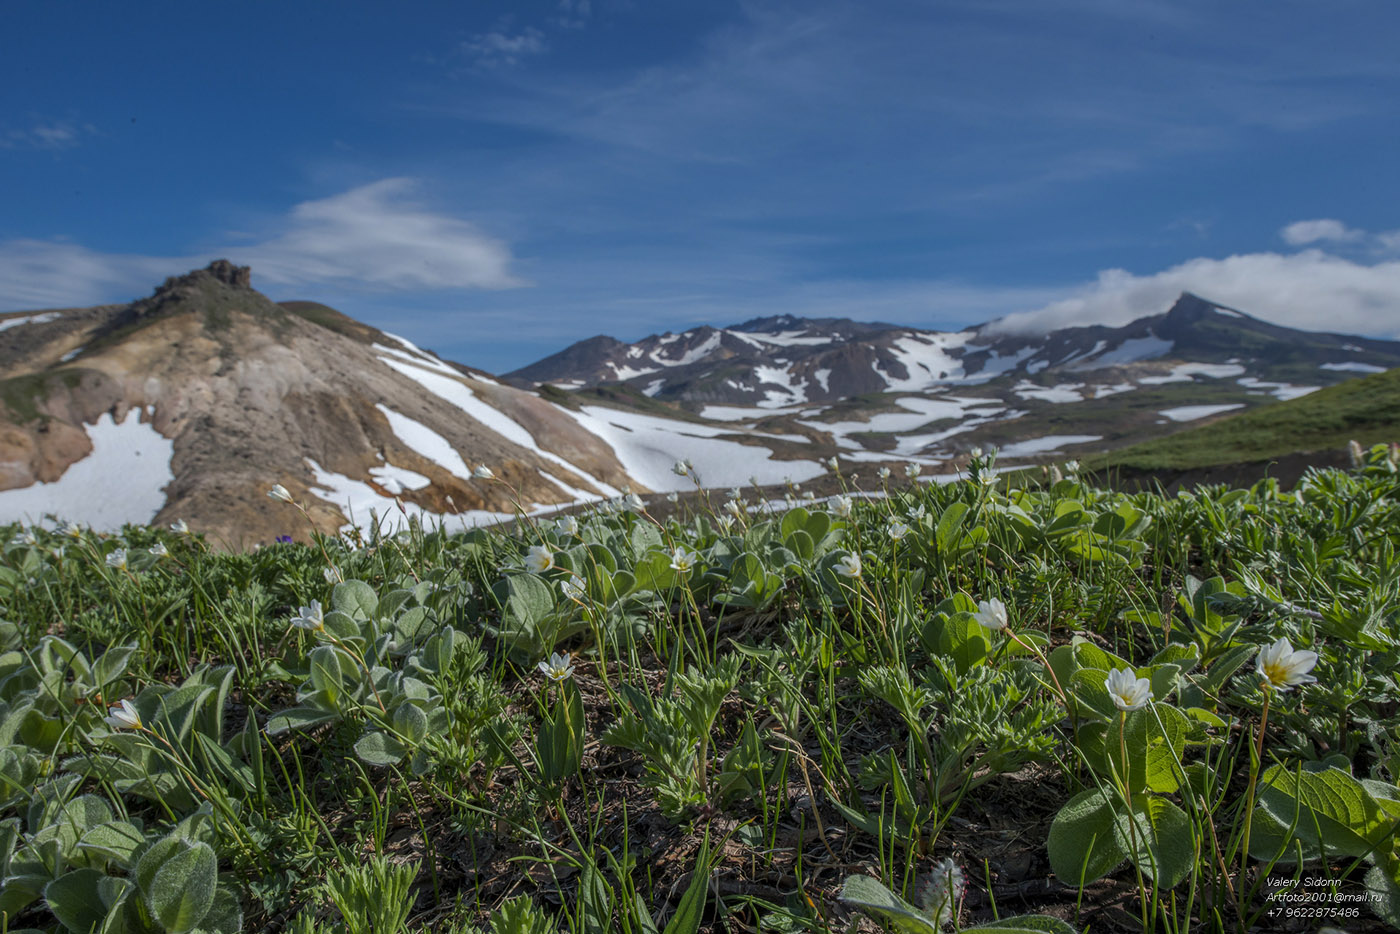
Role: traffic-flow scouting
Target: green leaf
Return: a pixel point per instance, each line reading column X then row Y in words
column 871, row 896
column 1081, row 839
column 1332, row 809
column 379, row 748
column 75, row 900
column 1158, row 839
column 299, row 718
column 688, row 914
column 117, row 841
column 355, row 598
column 181, row 891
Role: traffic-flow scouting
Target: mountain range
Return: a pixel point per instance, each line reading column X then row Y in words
column 191, row 403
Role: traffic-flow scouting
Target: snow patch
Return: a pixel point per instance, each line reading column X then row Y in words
column 424, row 441
column 396, row 479
column 648, row 446
column 1189, row 413
column 821, row 376
column 47, row 316
column 1061, row 392
column 653, row 387
column 1282, row 391
column 1044, row 445
column 123, row 479
column 1183, row 372
column 1130, row 351
column 791, row 392
column 1354, row 367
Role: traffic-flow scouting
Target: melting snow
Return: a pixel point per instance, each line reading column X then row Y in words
column 396, row 479
column 648, row 447
column 785, row 338
column 790, row 393
column 821, row 376
column 1283, row 391
column 123, row 479
column 423, row 440
column 1130, row 351
column 364, row 507
column 1061, row 392
column 739, row 413
column 453, row 390
column 627, row 372
column 653, row 387
column 1044, row 445
column 699, row 352
column 1354, row 367
column 29, row 319
column 1182, row 373
column 1189, row 413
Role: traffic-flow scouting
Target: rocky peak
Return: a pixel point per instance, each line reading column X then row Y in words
column 220, row 270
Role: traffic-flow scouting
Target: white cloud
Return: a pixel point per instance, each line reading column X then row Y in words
column 57, row 134
column 1300, row 233
column 1312, row 289
column 374, row 236
column 498, row 47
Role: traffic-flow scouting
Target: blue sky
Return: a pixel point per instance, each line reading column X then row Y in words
column 497, row 180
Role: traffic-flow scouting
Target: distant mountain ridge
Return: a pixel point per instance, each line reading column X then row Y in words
column 785, row 361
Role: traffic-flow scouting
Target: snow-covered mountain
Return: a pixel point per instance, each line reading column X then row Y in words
column 192, row 403
column 774, row 363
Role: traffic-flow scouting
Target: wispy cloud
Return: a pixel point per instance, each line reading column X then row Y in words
column 1301, row 233
column 51, row 134
column 376, row 237
column 499, row 47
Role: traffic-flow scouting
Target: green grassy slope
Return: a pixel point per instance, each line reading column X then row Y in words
column 1365, row 410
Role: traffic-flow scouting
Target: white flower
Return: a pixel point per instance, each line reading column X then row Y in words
column 159, row 550
column 753, row 482
column 1055, row 475
column 726, row 522
column 841, row 506
column 123, row 717
column 310, row 617
column 26, row 537
column 809, row 495
column 917, row 514
column 573, row 588
column 1284, row 667
column 683, row 559
column 332, row 574
column 912, row 470
column 735, row 507
column 71, row 529
column 1128, row 691
column 633, row 502
column 180, row 527
column 976, row 452
column 558, row 668
column 897, row 530
column 681, row 468
column 789, row 499
column 279, row 493
column 568, row 526
column 1071, row 467
column 848, row 565
column 735, row 493
column 482, row 472
column 991, row 614
column 117, row 559
column 539, row 559
column 832, row 462
column 673, row 497
column 884, row 473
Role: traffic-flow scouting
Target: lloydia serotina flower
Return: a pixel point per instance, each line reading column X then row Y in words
column 573, row 588
column 683, row 559
column 123, row 716
column 539, row 559
column 848, row 565
column 558, row 668
column 180, row 527
column 682, row 468
column 1128, row 691
column 482, row 472
column 310, row 617
column 117, row 559
column 568, row 525
column 841, row 506
column 832, row 462
column 884, row 473
column 279, row 493
column 159, row 550
column 991, row 614
column 332, row 574
column 912, row 470
column 897, row 530
column 1284, row 667
column 25, row 538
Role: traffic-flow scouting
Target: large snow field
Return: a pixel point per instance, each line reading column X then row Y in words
column 1189, row 413
column 123, row 479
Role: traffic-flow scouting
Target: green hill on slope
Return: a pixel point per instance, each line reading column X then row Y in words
column 1365, row 410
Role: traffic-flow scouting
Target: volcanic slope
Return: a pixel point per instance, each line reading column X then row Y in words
column 191, row 403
